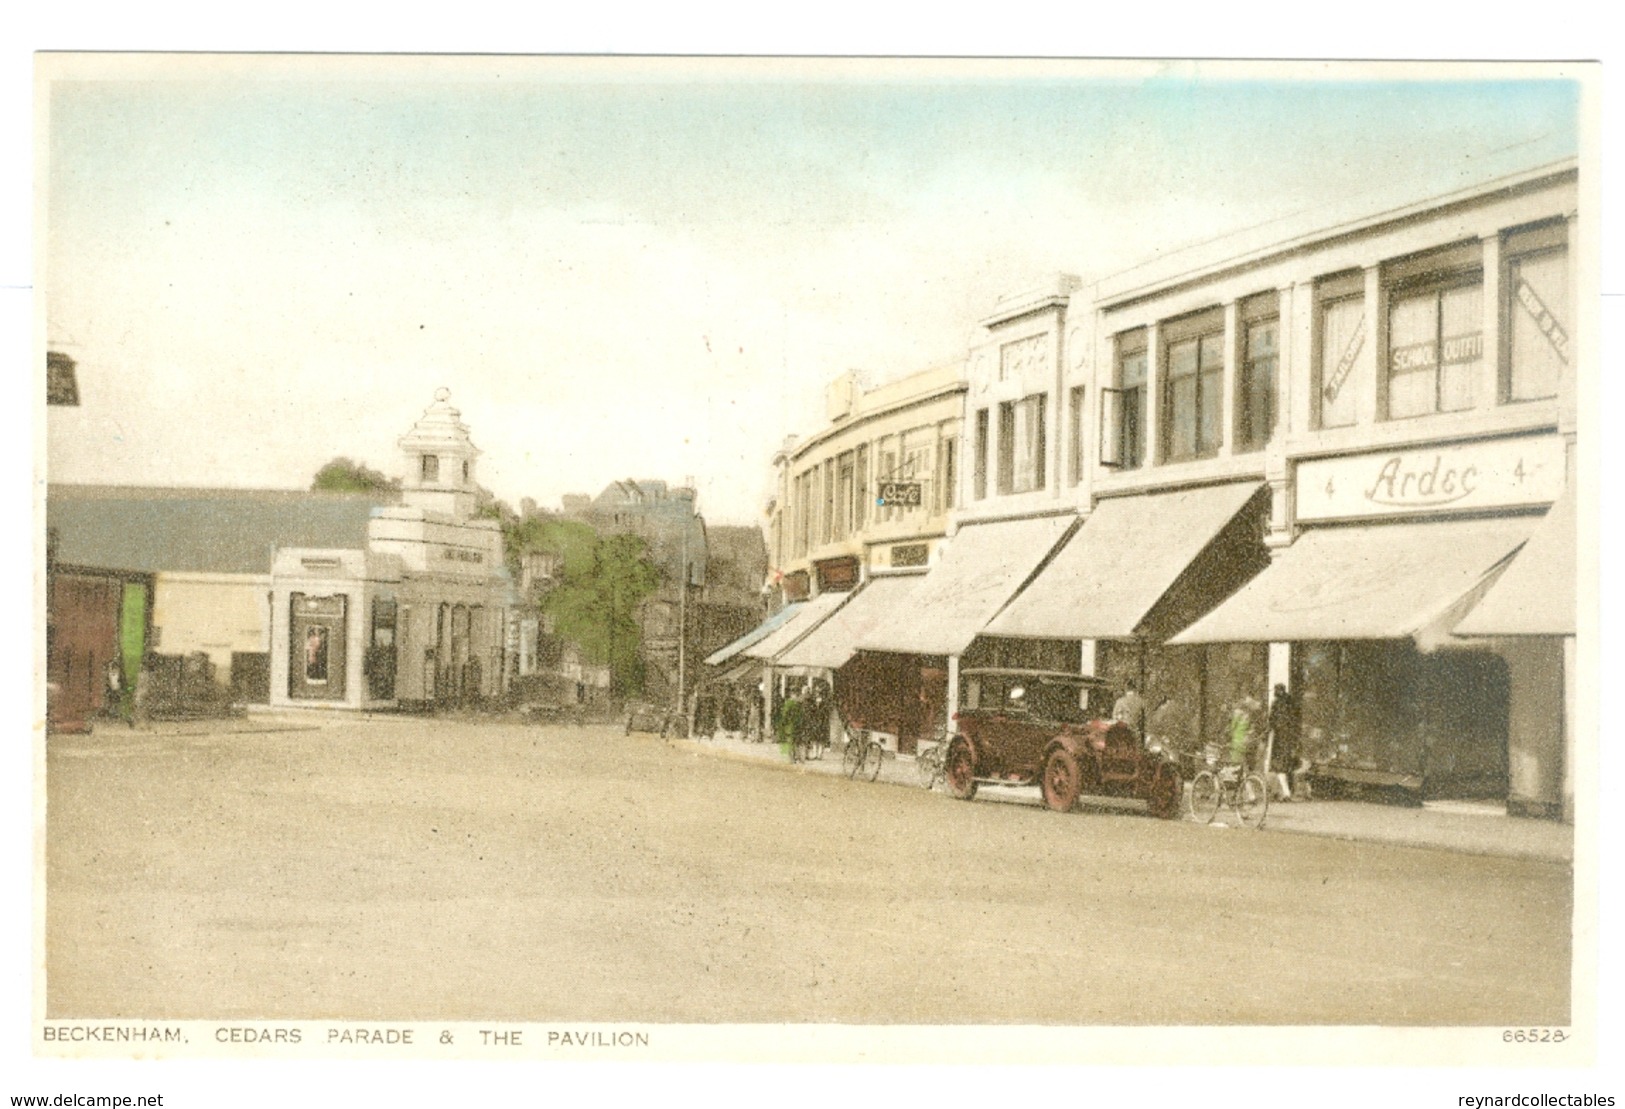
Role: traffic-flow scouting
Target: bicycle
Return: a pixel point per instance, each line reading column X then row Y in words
column 932, row 761
column 1231, row 784
column 861, row 756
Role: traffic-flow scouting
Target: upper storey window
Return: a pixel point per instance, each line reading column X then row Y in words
column 1435, row 355
column 1122, row 411
column 1193, row 391
column 1536, row 292
column 1340, row 327
column 1022, row 450
column 431, row 468
column 1257, row 371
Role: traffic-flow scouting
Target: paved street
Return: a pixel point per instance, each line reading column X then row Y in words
column 417, row 869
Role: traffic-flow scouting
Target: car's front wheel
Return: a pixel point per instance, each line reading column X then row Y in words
column 959, row 770
column 1062, row 780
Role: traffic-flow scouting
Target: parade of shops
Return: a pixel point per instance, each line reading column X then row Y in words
column 1335, row 457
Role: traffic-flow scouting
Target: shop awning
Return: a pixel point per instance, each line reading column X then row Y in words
column 755, row 635
column 1115, row 569
column 747, row 670
column 808, row 617
column 981, row 569
column 879, row 602
column 1384, row 581
column 1536, row 595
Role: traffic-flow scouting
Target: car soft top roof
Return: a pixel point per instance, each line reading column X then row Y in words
column 1036, row 675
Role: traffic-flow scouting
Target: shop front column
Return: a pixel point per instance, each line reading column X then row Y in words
column 953, row 695
column 1089, row 658
column 1280, row 667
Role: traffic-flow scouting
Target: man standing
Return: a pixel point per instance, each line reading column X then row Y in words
column 1285, row 721
column 1130, row 709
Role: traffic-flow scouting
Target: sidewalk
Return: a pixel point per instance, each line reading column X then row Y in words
column 1467, row 828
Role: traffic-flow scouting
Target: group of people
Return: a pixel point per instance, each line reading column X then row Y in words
column 1283, row 725
column 803, row 716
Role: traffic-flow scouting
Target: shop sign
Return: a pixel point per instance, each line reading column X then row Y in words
column 459, row 554
column 1468, row 477
column 900, row 494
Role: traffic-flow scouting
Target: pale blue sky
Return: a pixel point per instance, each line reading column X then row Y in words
column 644, row 271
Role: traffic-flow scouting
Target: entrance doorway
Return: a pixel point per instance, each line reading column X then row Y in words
column 316, row 648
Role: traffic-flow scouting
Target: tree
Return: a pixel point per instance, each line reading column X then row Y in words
column 597, row 588
column 345, row 476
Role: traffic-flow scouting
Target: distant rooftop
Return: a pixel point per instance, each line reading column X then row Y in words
column 184, row 530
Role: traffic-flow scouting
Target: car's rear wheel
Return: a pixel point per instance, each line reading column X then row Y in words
column 1205, row 797
column 959, row 770
column 1062, row 780
column 1166, row 791
column 1252, row 800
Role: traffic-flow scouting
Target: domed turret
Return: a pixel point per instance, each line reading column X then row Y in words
column 440, row 460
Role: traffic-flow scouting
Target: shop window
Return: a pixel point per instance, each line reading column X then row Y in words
column 1122, row 408
column 1257, row 372
column 1076, row 415
column 1193, row 396
column 1537, row 312
column 980, row 475
column 1340, row 326
column 1435, row 351
column 1021, row 444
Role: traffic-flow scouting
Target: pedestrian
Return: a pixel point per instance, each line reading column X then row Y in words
column 1285, row 725
column 788, row 722
column 1241, row 731
column 1130, row 709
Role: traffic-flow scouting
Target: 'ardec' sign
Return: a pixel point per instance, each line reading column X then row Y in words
column 1460, row 478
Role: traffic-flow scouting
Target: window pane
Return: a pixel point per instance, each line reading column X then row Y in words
column 1342, row 335
column 1538, row 291
column 1182, row 417
column 1132, row 370
column 1212, row 356
column 1413, row 355
column 1255, row 391
column 1212, row 414
column 1182, row 359
column 1462, row 342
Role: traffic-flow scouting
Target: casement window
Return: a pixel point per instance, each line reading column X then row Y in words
column 918, row 464
column 980, row 449
column 1535, row 290
column 1340, row 337
column 828, row 487
column 1257, row 371
column 1075, row 455
column 1193, row 387
column 1022, row 444
column 843, row 495
column 947, row 473
column 1122, row 408
column 1435, row 350
column 860, row 488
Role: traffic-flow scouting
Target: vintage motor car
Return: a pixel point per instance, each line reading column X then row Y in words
column 1025, row 727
